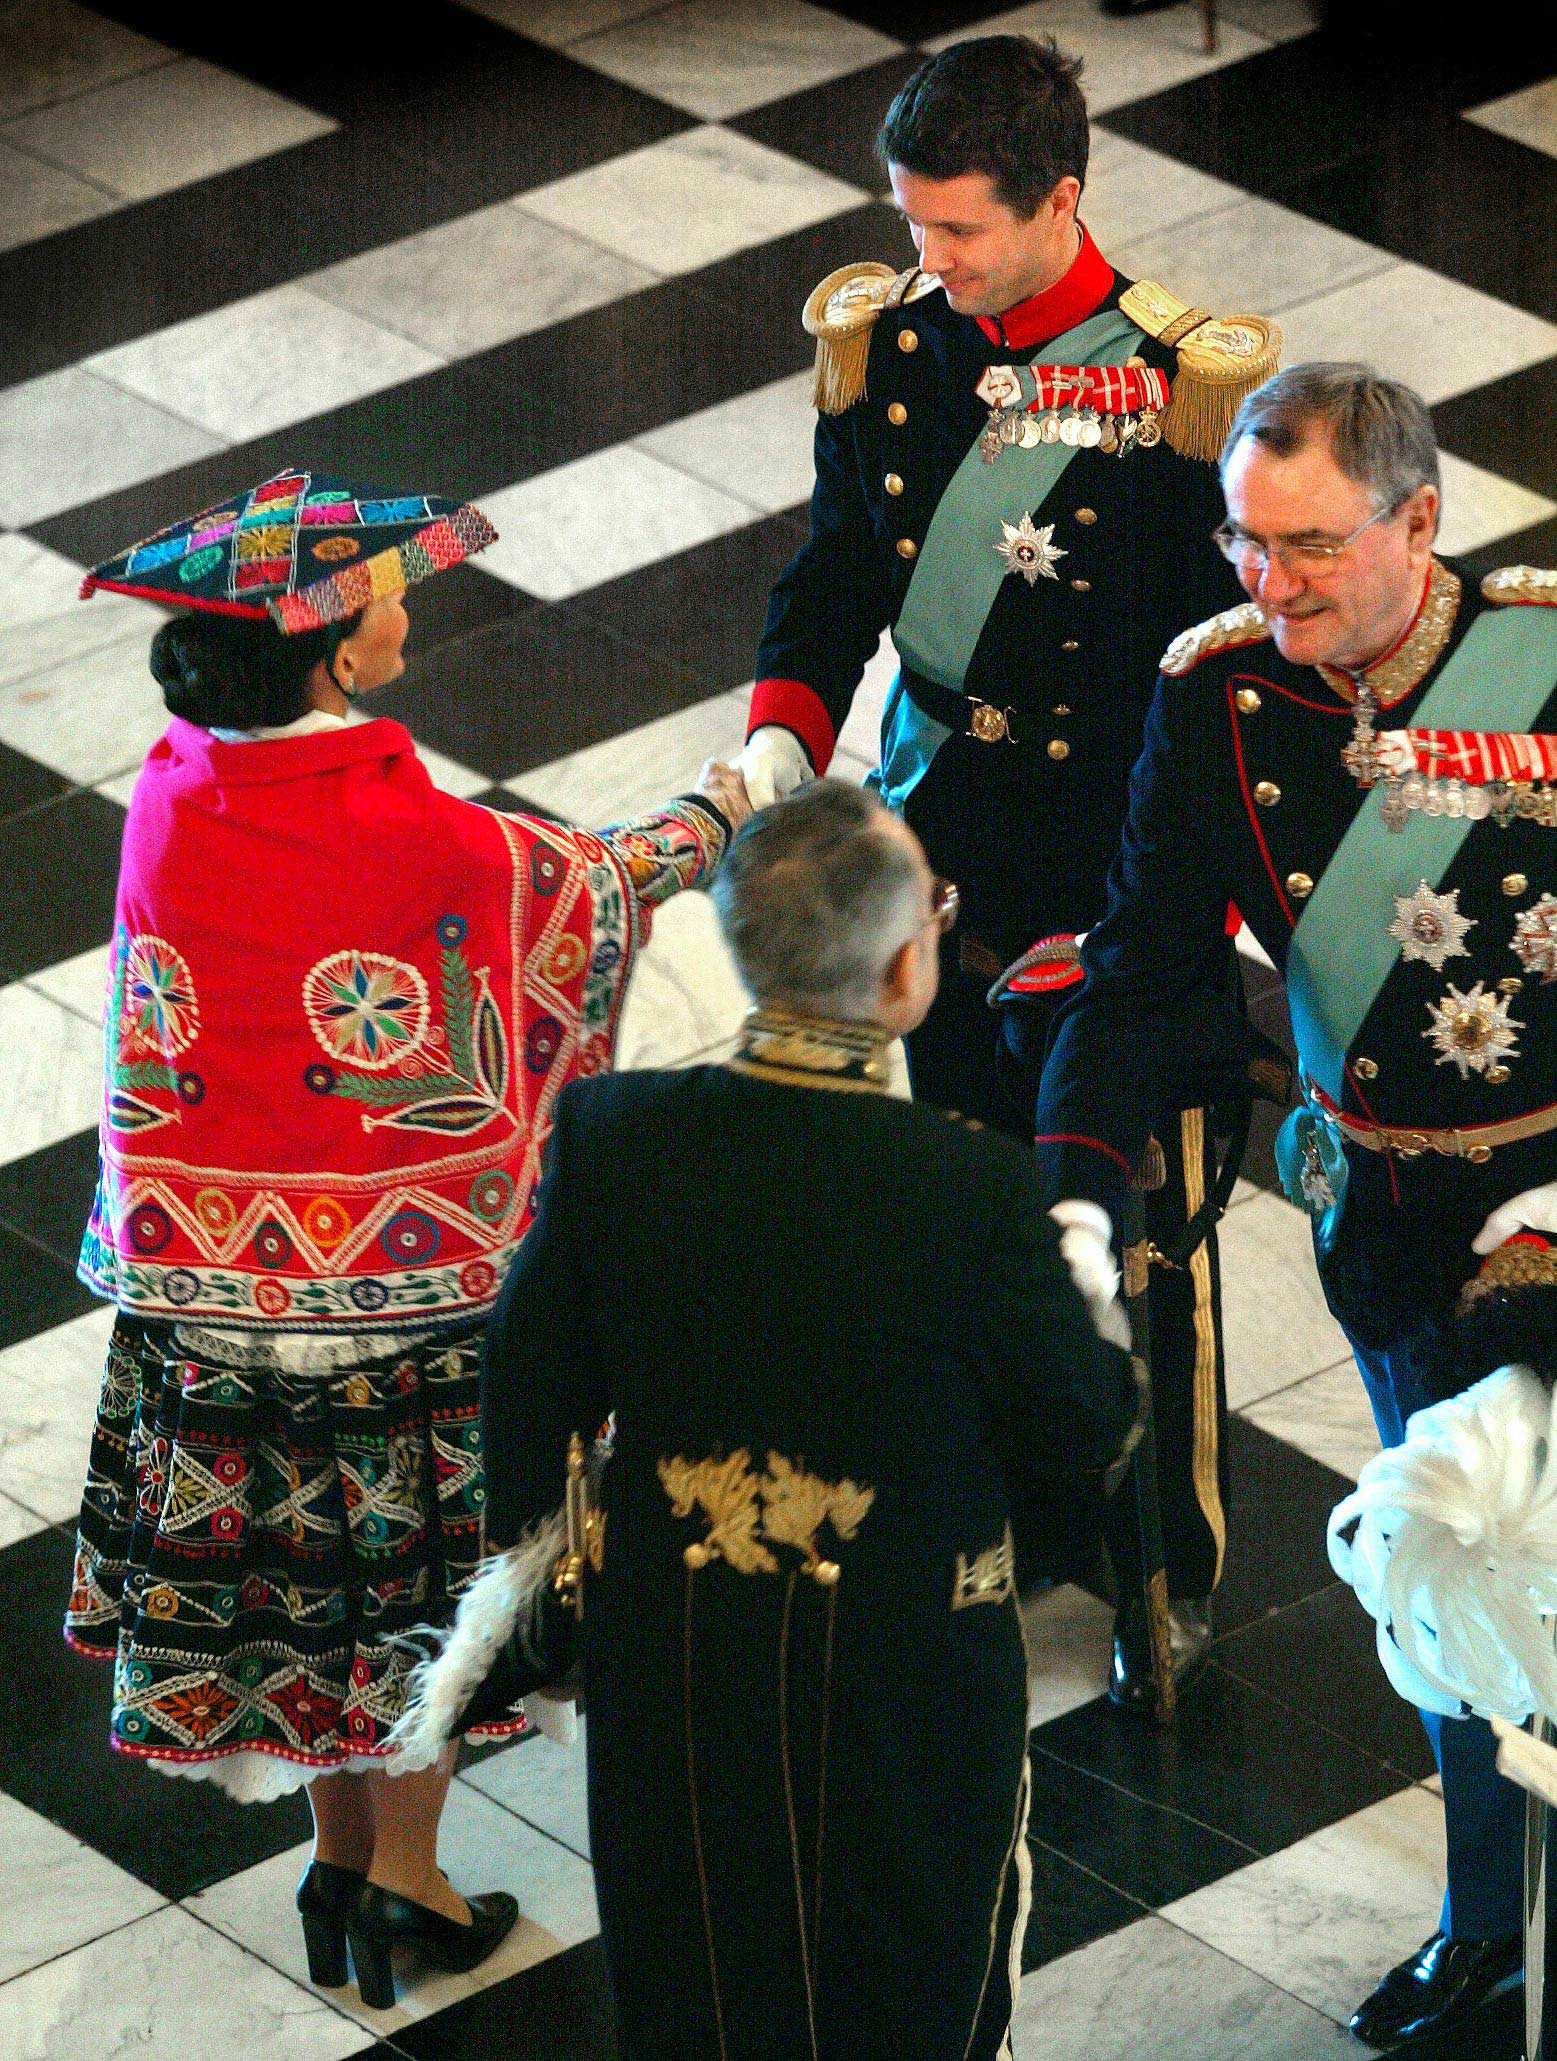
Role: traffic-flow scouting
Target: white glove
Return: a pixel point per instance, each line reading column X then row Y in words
column 1087, row 1248
column 1534, row 1210
column 773, row 764
column 1395, row 753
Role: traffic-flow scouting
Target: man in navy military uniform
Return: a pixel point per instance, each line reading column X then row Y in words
column 1013, row 475
column 1361, row 758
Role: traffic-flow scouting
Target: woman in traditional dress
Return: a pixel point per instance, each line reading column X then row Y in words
column 341, row 1007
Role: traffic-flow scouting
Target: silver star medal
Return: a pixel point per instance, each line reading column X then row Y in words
column 1029, row 551
column 1535, row 938
column 1430, row 927
column 1473, row 1032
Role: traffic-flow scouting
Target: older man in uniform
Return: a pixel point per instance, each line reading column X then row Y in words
column 1360, row 757
column 1012, row 475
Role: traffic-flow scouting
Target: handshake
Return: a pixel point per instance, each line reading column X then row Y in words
column 772, row 765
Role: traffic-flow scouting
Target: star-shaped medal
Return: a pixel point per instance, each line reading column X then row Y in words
column 1535, row 938
column 1029, row 551
column 1473, row 1032
column 1430, row 927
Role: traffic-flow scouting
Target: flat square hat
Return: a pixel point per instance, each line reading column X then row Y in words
column 304, row 550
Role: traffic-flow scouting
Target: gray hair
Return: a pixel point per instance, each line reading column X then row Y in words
column 1379, row 431
column 815, row 897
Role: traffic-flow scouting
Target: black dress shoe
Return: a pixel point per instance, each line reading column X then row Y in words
column 1439, row 1985
column 325, row 1897
column 1130, row 1676
column 382, row 1920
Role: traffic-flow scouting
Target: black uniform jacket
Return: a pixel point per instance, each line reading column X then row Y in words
column 821, row 1319
column 1241, row 793
column 1028, row 829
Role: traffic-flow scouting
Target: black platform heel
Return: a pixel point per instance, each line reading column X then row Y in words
column 382, row 1920
column 325, row 1896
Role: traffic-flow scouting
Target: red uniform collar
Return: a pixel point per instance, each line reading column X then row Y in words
column 1071, row 299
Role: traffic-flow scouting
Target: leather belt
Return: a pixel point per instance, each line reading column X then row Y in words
column 1476, row 1142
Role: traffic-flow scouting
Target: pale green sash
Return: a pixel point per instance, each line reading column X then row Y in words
column 1341, row 952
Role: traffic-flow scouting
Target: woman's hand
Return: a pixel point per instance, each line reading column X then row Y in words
column 724, row 787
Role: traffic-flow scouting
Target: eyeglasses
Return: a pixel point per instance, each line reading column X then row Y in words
column 945, row 901
column 1302, row 561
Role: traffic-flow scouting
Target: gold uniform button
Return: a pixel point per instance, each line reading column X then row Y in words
column 908, row 339
column 907, row 548
column 897, row 414
column 1248, row 701
column 1366, row 1069
column 1267, row 793
column 1300, row 886
column 1510, row 984
column 1478, row 1155
column 1086, row 517
column 1058, row 748
column 1082, row 586
column 1070, row 644
column 892, row 483
column 1514, row 883
column 1497, row 1075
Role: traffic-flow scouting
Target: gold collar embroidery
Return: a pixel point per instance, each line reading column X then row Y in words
column 1394, row 675
column 812, row 1052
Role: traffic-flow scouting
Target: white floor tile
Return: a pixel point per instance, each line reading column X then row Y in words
column 600, row 517
column 66, row 438
column 757, row 447
column 88, row 718
column 1125, row 59
column 54, row 50
column 1278, row 21
column 1278, row 1329
column 1070, row 1638
column 144, row 135
column 1151, row 1990
column 44, row 621
column 261, row 363
column 1528, row 116
column 51, row 1072
column 691, row 199
column 860, row 736
column 450, row 775
column 684, row 996
column 1327, row 1416
column 49, row 1387
column 721, row 57
column 1250, row 257
column 542, row 1783
column 1133, row 194
column 81, row 984
column 169, row 1988
column 17, row 1523
column 59, row 1893
column 38, row 199
column 1416, row 325
column 560, row 22
column 479, row 280
column 641, row 769
column 1479, row 507
column 480, row 1847
column 1324, row 1918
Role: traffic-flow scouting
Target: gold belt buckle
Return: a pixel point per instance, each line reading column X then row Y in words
column 988, row 723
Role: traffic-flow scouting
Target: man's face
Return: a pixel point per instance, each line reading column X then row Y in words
column 1354, row 610
column 987, row 257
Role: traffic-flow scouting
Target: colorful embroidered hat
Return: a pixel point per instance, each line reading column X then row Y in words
column 304, row 550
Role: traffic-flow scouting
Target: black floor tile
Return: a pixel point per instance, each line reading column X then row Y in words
column 546, row 682
column 1500, row 426
column 913, row 21
column 1236, row 1760
column 834, row 126
column 178, row 1836
column 38, row 1289
column 559, row 2010
column 1319, row 1657
column 1537, row 546
column 67, row 853
column 46, row 1195
column 754, row 298
column 1281, row 1504
column 24, row 783
column 1268, row 1011
column 1070, row 1907
column 454, row 605
column 1147, row 1852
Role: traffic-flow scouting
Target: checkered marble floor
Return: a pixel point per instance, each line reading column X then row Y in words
column 550, row 253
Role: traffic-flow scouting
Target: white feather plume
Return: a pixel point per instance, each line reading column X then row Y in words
column 1455, row 1551
column 503, row 1599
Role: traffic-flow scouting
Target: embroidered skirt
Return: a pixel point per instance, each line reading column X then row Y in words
column 254, row 1539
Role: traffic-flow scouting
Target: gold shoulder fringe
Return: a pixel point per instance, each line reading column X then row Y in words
column 1222, row 359
column 840, row 313
column 1225, row 632
column 1529, row 586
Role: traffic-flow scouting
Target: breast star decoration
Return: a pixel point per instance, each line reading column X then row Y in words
column 1473, row 1032
column 1028, row 550
column 1535, row 938
column 1430, row 926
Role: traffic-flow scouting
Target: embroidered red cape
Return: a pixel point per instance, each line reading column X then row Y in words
column 342, row 1005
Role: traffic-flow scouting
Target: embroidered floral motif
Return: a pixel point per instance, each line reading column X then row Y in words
column 796, row 1505
column 153, row 1014
column 785, row 1506
column 161, row 1011
column 726, row 1491
column 365, row 1009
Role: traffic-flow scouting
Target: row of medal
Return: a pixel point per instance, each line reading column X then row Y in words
column 1502, row 800
column 1084, row 429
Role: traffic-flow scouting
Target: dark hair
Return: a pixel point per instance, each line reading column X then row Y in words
column 239, row 672
column 1008, row 106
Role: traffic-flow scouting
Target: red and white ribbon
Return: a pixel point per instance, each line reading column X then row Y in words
column 1479, row 756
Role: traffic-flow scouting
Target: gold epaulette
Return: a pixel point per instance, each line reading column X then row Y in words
column 841, row 312
column 1222, row 359
column 1521, row 586
column 1225, row 632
